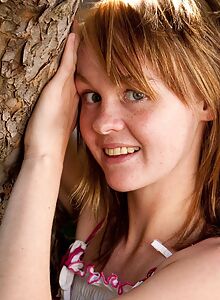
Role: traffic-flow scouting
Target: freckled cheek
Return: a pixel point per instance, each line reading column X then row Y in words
column 144, row 125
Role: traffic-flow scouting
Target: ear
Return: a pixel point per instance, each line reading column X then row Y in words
column 205, row 112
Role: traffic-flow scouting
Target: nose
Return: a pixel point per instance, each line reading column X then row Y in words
column 108, row 120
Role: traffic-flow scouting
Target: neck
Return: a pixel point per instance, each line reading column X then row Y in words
column 159, row 213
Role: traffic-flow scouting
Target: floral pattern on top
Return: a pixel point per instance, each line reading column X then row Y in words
column 74, row 263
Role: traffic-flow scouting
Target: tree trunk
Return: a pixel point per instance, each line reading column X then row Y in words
column 32, row 36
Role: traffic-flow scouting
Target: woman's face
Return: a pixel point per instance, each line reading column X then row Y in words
column 136, row 141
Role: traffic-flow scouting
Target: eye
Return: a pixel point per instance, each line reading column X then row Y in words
column 134, row 95
column 91, row 97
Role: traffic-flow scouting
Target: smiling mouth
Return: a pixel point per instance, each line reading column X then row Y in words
column 120, row 151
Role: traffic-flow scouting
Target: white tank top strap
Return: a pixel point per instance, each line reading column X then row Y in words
column 158, row 246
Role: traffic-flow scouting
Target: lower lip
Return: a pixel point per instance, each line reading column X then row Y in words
column 119, row 158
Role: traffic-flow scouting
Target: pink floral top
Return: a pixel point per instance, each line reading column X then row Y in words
column 74, row 265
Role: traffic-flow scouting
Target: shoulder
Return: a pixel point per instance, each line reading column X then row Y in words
column 209, row 248
column 85, row 225
column 192, row 274
column 203, row 255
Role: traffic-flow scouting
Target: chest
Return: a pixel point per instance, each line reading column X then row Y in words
column 130, row 264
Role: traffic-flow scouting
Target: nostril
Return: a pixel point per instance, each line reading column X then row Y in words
column 107, row 126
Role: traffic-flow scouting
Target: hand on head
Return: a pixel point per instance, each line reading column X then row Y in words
column 55, row 114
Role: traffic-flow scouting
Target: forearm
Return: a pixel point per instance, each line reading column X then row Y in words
column 26, row 230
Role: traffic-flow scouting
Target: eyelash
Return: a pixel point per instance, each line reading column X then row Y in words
column 143, row 96
column 86, row 93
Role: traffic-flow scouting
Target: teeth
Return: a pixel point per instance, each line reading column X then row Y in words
column 110, row 151
column 120, row 150
column 117, row 151
column 124, row 150
column 130, row 150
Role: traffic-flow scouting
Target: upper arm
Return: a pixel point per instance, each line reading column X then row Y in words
column 192, row 274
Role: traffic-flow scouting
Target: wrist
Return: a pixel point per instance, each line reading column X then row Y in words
column 45, row 162
column 53, row 159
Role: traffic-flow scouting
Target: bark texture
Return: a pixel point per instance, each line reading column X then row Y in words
column 32, row 36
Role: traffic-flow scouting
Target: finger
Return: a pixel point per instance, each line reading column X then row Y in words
column 69, row 57
column 75, row 28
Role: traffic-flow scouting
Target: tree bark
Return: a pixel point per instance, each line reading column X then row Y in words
column 32, row 36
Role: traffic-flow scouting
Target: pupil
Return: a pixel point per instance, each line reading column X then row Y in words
column 138, row 96
column 96, row 97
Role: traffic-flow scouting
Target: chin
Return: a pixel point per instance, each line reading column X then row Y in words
column 122, row 186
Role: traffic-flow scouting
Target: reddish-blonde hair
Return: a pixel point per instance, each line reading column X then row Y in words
column 181, row 40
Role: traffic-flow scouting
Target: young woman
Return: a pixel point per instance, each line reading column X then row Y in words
column 148, row 82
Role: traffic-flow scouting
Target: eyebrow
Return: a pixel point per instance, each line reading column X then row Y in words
column 81, row 77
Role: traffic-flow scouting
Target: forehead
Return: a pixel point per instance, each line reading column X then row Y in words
column 88, row 63
column 89, row 69
column 86, row 57
column 92, row 72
